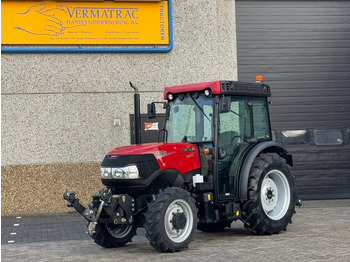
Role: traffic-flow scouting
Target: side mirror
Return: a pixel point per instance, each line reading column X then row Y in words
column 151, row 110
column 225, row 104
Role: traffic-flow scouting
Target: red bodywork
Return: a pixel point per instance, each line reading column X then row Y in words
column 182, row 157
column 214, row 86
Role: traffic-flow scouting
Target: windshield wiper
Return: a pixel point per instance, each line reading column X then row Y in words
column 199, row 107
column 237, row 114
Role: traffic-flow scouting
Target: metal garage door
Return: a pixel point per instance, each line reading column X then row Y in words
column 302, row 48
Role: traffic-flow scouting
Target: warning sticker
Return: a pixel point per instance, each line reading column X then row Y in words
column 151, row 126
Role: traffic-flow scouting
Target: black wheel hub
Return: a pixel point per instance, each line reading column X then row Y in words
column 269, row 194
column 179, row 220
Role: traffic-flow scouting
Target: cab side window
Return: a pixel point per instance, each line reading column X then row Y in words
column 261, row 119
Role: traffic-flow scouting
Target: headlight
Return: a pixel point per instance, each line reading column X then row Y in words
column 106, row 172
column 127, row 172
column 117, row 173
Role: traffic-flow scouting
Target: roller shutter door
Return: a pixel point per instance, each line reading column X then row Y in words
column 302, row 48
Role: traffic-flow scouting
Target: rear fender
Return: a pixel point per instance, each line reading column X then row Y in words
column 268, row 146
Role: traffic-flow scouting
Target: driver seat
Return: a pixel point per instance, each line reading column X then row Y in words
column 227, row 140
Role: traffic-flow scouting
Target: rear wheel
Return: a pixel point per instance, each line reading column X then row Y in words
column 110, row 235
column 271, row 195
column 170, row 220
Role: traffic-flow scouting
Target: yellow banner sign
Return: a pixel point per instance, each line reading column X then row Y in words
column 49, row 22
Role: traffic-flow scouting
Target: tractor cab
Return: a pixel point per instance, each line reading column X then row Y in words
column 224, row 119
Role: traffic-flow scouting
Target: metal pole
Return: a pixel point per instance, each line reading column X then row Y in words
column 137, row 115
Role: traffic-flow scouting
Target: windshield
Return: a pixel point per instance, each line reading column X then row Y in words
column 190, row 119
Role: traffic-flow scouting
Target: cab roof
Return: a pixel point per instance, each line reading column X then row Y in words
column 222, row 87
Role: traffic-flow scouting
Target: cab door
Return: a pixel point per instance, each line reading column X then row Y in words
column 241, row 126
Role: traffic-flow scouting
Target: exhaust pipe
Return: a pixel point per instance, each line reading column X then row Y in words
column 137, row 115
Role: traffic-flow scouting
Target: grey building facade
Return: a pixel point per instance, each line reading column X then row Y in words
column 61, row 112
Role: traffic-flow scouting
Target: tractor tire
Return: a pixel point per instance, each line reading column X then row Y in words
column 271, row 196
column 213, row 227
column 110, row 235
column 171, row 220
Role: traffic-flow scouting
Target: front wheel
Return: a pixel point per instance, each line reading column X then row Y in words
column 171, row 219
column 271, row 195
column 110, row 235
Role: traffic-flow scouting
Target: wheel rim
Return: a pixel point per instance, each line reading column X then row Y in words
column 119, row 231
column 178, row 231
column 275, row 194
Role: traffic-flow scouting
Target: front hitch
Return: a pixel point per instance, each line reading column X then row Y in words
column 72, row 201
column 118, row 209
column 88, row 213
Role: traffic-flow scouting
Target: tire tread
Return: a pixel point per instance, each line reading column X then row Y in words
column 153, row 220
column 254, row 217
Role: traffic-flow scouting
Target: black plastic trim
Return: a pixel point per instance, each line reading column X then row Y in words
column 159, row 179
column 244, row 88
column 146, row 163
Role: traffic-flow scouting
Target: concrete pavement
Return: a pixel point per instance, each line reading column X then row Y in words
column 320, row 232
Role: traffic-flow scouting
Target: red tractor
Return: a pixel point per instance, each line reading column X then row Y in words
column 217, row 164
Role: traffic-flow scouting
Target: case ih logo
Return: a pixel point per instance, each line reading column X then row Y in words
column 151, row 126
column 188, row 149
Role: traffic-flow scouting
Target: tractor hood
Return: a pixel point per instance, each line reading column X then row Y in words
column 182, row 157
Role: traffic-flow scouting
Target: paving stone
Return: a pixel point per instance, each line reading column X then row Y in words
column 43, row 228
column 320, row 232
